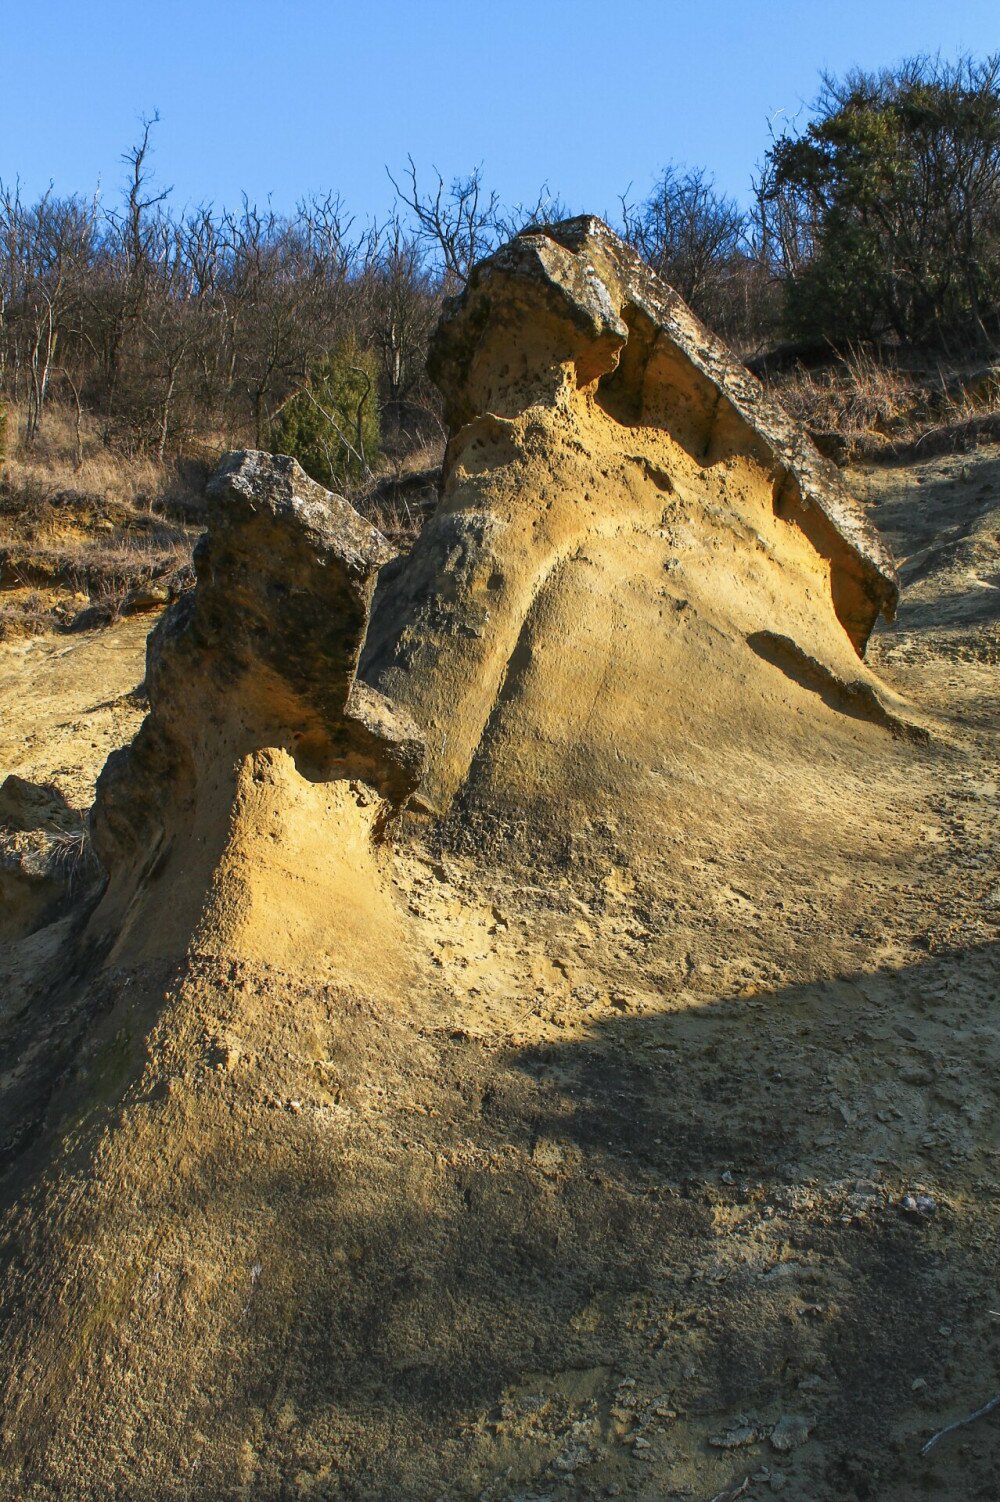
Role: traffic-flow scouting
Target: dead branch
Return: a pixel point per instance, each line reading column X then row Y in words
column 961, row 1423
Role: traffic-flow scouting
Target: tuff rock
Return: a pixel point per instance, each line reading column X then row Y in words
column 587, row 405
column 260, row 656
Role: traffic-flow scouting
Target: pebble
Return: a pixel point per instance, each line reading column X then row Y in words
column 920, row 1205
column 791, row 1430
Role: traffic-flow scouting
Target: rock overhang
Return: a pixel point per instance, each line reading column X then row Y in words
column 573, row 294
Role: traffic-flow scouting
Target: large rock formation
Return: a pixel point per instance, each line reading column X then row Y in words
column 623, row 514
column 459, row 1164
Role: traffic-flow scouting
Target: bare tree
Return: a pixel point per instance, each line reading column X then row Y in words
column 136, row 229
column 457, row 223
column 47, row 249
column 688, row 232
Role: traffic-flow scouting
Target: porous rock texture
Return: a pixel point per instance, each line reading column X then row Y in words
column 622, row 510
column 556, row 1123
column 251, row 681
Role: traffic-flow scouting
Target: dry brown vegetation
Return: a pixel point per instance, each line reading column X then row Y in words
column 879, row 406
column 87, row 533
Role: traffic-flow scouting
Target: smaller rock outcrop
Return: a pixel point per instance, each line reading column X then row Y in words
column 261, row 654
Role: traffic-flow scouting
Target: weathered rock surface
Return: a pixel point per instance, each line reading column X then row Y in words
column 260, row 656
column 371, row 1169
column 263, row 652
column 606, row 447
column 609, row 314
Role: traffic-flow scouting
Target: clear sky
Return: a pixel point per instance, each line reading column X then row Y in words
column 286, row 98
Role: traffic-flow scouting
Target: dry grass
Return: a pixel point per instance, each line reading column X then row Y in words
column 52, row 462
column 26, row 613
column 870, row 407
column 81, row 532
column 859, row 398
column 399, row 499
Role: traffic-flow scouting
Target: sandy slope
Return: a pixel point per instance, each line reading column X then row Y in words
column 66, row 701
column 609, row 1180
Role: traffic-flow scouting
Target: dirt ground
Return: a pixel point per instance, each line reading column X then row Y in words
column 667, row 1170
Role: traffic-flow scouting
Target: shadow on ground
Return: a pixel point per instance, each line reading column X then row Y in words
column 448, row 1272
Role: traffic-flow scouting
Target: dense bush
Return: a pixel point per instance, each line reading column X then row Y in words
column 884, row 213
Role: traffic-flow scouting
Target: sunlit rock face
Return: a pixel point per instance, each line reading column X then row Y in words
column 625, row 518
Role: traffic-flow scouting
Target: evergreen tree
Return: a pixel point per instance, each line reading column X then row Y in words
column 331, row 424
column 895, row 189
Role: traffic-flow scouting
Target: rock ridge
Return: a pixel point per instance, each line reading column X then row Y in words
column 617, row 320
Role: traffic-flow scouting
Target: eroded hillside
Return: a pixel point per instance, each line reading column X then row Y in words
column 614, row 1115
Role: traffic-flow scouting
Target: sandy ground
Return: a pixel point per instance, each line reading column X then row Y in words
column 69, row 700
column 671, row 1182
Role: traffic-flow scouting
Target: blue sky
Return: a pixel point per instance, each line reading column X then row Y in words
column 283, row 99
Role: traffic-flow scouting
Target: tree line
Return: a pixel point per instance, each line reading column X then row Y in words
column 876, row 220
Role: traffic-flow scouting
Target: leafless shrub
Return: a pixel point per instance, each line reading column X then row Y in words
column 72, row 860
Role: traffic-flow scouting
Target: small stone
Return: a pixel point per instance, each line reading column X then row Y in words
column 918, row 1206
column 572, row 1459
column 791, row 1430
column 733, row 1439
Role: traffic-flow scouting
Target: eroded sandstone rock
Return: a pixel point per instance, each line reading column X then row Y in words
column 623, row 510
column 262, row 653
column 593, row 301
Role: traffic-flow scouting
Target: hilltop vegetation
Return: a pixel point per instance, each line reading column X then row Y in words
column 138, row 342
